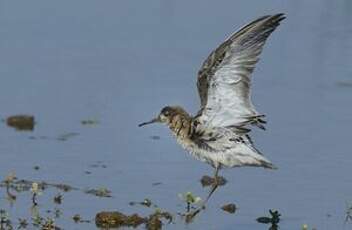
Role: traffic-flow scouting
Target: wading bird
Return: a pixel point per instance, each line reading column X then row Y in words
column 219, row 133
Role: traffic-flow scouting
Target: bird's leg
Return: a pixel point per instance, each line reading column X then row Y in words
column 214, row 186
column 191, row 215
column 216, row 173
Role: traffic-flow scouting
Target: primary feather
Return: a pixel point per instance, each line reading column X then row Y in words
column 224, row 79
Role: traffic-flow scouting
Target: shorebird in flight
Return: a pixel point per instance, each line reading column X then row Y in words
column 219, row 133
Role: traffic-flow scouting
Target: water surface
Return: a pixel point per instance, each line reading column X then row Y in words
column 119, row 62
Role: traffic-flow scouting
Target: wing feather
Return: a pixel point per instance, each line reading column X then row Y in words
column 224, row 79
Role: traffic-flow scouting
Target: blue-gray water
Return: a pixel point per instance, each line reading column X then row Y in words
column 120, row 61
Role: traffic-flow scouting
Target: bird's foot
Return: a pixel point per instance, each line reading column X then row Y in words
column 189, row 217
column 207, row 181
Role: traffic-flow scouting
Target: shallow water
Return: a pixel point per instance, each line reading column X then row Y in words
column 119, row 62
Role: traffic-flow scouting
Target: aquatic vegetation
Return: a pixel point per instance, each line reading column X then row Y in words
column 21, row 122
column 208, row 181
column 146, row 202
column 274, row 219
column 230, row 208
column 78, row 219
column 190, row 200
column 49, row 224
column 22, row 185
column 305, row 227
column 156, row 220
column 38, row 222
column 36, row 191
column 100, row 192
column 158, row 213
column 117, row 219
column 5, row 222
column 62, row 187
column 45, row 223
column 22, row 223
column 91, row 122
column 154, row 223
column 8, row 180
column 58, row 199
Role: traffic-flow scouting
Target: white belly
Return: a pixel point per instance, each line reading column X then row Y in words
column 198, row 153
column 234, row 155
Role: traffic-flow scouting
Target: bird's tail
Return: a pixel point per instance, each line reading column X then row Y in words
column 258, row 121
column 260, row 159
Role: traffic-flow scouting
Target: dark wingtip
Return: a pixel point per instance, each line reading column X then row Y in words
column 273, row 17
column 278, row 17
column 269, row 166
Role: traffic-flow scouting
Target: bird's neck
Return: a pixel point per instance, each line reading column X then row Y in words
column 181, row 125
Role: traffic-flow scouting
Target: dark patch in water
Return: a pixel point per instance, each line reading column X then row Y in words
column 58, row 199
column 146, row 202
column 98, row 164
column 157, row 183
column 344, row 84
column 101, row 192
column 61, row 137
column 207, row 181
column 274, row 219
column 155, row 137
column 90, row 122
column 230, row 208
column 21, row 122
column 66, row 136
column 78, row 219
column 118, row 219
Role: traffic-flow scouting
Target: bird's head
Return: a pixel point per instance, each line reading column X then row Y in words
column 166, row 115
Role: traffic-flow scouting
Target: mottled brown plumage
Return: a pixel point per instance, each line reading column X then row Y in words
column 178, row 120
column 219, row 133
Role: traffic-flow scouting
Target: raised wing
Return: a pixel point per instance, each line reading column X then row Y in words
column 224, row 78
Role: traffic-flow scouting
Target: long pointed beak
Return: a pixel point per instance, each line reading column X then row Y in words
column 149, row 122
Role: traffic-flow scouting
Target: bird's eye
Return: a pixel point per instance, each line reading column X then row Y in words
column 166, row 113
